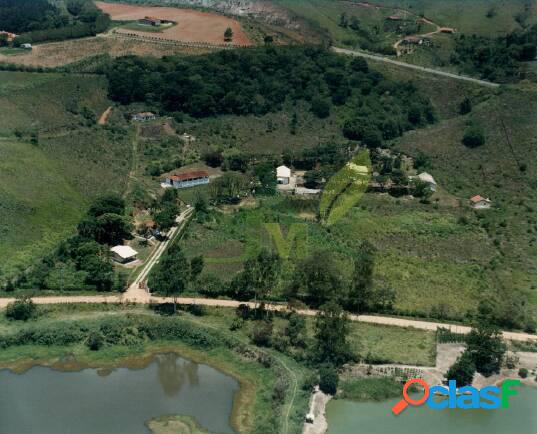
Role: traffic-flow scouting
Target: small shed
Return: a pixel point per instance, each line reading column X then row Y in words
column 479, row 202
column 124, row 254
column 428, row 179
column 283, row 175
column 26, row 46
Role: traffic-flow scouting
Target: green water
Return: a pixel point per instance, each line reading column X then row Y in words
column 347, row 417
column 46, row 401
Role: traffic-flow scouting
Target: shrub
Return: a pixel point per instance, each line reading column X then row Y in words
column 21, row 309
column 329, row 380
column 310, row 382
column 463, row 370
column 523, row 373
column 473, row 137
column 95, row 341
column 262, row 334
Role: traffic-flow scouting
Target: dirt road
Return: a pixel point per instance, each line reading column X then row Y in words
column 140, row 296
column 415, row 67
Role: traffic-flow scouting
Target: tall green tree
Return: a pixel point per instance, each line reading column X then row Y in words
column 486, row 348
column 331, row 331
column 360, row 298
column 463, row 370
column 317, row 279
column 171, row 275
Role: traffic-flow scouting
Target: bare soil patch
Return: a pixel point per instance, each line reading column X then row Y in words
column 63, row 53
column 192, row 25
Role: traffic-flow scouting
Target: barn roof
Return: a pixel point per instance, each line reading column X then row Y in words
column 124, row 251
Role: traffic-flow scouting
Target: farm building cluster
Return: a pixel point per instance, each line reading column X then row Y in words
column 293, row 182
column 154, row 21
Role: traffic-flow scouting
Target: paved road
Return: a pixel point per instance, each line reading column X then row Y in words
column 415, row 67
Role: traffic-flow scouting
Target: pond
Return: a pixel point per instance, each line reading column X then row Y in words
column 47, row 401
column 346, row 417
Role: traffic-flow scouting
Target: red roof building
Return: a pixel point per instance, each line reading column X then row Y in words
column 188, row 179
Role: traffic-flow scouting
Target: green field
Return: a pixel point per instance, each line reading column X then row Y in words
column 38, row 205
column 54, row 160
column 469, row 16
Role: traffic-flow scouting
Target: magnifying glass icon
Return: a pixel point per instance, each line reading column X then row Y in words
column 401, row 405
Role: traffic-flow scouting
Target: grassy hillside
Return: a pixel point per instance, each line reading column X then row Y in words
column 54, row 159
column 504, row 170
column 482, row 17
column 38, row 206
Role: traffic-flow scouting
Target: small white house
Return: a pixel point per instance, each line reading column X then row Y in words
column 428, row 179
column 144, row 117
column 283, row 175
column 26, row 46
column 479, row 202
column 124, row 254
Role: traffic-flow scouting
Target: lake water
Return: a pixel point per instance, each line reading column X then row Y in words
column 46, row 401
column 347, row 417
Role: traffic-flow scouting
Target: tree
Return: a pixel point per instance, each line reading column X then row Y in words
column 328, row 380
column 196, row 266
column 268, row 39
column 109, row 204
column 228, row 34
column 320, row 107
column 21, row 309
column 296, row 329
column 372, row 137
column 165, row 218
column 343, row 21
column 473, row 137
column 112, row 229
column 317, row 279
column 331, row 331
column 262, row 333
column 486, row 348
column 359, row 64
column 171, row 275
column 463, row 370
column 466, row 106
column 361, row 290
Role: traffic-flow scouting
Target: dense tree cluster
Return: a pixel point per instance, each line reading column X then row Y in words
column 258, row 81
column 82, row 262
column 41, row 20
column 496, row 59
